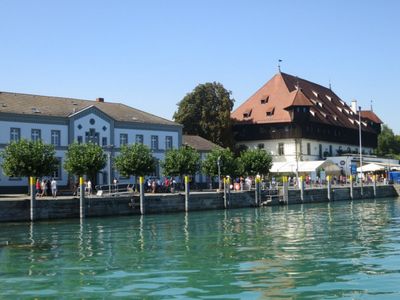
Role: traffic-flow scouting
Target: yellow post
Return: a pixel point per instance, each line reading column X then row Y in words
column 32, row 180
column 141, row 195
column 284, row 179
column 186, row 193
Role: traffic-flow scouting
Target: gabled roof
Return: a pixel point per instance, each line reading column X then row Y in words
column 299, row 99
column 25, row 104
column 198, row 143
column 284, row 90
column 370, row 115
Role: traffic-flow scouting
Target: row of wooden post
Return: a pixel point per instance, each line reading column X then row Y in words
column 329, row 188
column 227, row 193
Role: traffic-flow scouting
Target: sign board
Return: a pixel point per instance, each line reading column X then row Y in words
column 353, row 169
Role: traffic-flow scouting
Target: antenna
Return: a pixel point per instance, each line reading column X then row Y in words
column 279, row 65
column 330, row 86
column 371, row 105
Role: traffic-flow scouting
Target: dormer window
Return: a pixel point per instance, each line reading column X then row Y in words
column 347, row 112
column 264, row 100
column 351, row 120
column 324, row 114
column 247, row 114
column 312, row 113
column 339, row 108
column 270, row 112
column 315, row 93
column 328, row 97
column 320, row 104
column 334, row 117
column 314, row 101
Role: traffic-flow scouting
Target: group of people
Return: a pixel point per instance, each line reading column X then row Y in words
column 46, row 187
column 157, row 185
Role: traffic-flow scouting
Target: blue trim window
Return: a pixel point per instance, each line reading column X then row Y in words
column 139, row 139
column 123, row 139
column 15, row 134
column 36, row 135
column 56, row 137
column 154, row 142
column 168, row 142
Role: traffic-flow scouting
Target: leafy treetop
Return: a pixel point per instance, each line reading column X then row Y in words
column 85, row 159
column 206, row 112
column 29, row 158
column 135, row 160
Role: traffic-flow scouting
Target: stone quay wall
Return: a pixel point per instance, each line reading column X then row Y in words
column 18, row 210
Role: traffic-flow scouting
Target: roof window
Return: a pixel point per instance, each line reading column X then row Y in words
column 320, row 104
column 315, row 93
column 334, row 117
column 339, row 108
column 312, row 112
column 270, row 111
column 35, row 110
column 264, row 100
column 324, row 114
column 247, row 114
column 328, row 97
column 351, row 120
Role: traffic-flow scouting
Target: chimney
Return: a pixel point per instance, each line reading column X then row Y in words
column 354, row 106
column 99, row 99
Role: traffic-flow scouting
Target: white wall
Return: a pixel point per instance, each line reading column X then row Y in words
column 26, row 128
column 146, row 137
column 271, row 146
column 98, row 126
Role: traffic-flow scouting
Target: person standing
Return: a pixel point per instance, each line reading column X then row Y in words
column 54, row 188
column 89, row 187
column 37, row 186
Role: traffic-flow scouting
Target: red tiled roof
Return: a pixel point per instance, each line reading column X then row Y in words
column 285, row 90
column 370, row 115
column 300, row 99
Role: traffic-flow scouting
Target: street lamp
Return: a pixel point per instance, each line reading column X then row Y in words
column 359, row 133
column 219, row 172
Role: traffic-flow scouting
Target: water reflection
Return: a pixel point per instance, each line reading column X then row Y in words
column 320, row 250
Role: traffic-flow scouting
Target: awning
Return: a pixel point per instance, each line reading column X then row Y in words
column 374, row 167
column 304, row 166
column 371, row 168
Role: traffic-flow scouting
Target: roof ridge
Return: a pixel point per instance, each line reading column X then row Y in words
column 305, row 80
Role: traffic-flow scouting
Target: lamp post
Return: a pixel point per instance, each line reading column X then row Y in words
column 219, row 172
column 359, row 133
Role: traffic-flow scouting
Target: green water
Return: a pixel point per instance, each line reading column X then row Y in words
column 321, row 251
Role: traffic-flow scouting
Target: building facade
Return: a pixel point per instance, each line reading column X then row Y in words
column 295, row 119
column 62, row 121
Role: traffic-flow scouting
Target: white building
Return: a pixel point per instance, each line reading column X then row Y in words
column 62, row 121
column 298, row 120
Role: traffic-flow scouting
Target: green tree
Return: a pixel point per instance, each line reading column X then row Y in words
column 135, row 160
column 85, row 159
column 206, row 112
column 227, row 162
column 182, row 161
column 388, row 143
column 27, row 158
column 255, row 161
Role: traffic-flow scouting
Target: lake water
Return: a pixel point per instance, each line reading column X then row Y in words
column 346, row 250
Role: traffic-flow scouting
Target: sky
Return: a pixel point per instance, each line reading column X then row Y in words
column 149, row 54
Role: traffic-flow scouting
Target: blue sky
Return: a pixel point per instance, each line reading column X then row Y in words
column 149, row 54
